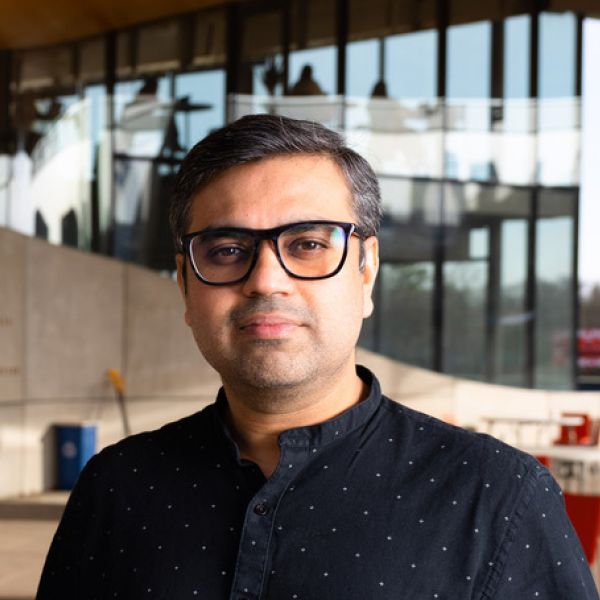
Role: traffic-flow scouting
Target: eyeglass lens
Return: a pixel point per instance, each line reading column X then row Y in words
column 306, row 250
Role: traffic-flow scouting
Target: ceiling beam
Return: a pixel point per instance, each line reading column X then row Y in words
column 33, row 23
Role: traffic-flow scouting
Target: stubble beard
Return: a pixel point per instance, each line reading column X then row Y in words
column 269, row 370
column 274, row 374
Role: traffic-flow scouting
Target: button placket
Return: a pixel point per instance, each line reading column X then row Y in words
column 253, row 552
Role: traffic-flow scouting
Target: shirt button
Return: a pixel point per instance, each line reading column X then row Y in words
column 260, row 509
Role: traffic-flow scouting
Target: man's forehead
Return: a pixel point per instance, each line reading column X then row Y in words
column 288, row 188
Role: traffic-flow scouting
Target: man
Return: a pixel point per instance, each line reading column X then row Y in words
column 302, row 481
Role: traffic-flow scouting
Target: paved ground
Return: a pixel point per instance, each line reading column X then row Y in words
column 26, row 529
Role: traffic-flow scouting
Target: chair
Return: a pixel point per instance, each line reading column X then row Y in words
column 576, row 434
column 584, row 512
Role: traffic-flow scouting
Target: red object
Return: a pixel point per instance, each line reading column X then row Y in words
column 575, row 434
column 588, row 348
column 584, row 512
column 545, row 460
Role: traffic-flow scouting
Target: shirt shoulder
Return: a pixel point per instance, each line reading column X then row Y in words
column 519, row 510
column 432, row 436
column 177, row 440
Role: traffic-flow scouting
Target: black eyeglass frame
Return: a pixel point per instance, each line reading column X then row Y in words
column 258, row 235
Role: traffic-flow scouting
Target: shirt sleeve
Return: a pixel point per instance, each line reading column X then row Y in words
column 66, row 562
column 545, row 560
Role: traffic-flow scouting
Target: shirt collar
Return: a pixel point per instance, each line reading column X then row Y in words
column 321, row 434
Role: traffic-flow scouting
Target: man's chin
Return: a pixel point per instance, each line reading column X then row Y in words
column 273, row 372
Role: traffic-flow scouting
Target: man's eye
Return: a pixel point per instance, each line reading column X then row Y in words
column 307, row 246
column 227, row 253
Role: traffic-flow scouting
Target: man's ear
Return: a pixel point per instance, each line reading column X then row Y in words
column 369, row 273
column 182, row 280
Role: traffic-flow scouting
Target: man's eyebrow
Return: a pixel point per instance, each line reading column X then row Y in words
column 302, row 219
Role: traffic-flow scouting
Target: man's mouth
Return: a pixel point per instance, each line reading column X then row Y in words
column 269, row 326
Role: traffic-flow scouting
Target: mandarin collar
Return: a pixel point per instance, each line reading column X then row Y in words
column 321, row 434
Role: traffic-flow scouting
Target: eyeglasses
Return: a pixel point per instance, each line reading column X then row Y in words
column 305, row 250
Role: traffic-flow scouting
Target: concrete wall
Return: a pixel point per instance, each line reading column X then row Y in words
column 68, row 316
column 65, row 318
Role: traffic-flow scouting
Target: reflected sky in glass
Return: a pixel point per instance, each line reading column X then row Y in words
column 469, row 60
column 411, row 65
column 554, row 248
column 513, row 253
column 362, row 67
column 516, row 56
column 557, row 48
column 205, row 87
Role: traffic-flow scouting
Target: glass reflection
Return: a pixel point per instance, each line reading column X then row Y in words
column 464, row 348
column 145, row 157
column 322, row 77
column 467, row 148
column 510, row 352
column 411, row 66
column 405, row 314
column 559, row 109
column 554, row 290
column 362, row 59
column 200, row 105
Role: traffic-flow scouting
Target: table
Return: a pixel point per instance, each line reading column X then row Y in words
column 541, row 422
column 577, row 468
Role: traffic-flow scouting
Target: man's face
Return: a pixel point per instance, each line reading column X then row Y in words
column 273, row 331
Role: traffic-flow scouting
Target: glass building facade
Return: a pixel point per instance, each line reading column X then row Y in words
column 477, row 118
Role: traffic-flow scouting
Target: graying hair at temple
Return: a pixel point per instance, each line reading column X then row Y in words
column 257, row 137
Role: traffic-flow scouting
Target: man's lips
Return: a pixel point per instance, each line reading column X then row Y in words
column 268, row 326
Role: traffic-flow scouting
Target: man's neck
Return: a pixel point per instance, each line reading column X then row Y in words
column 257, row 431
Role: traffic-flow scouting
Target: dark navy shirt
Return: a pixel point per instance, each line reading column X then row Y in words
column 379, row 503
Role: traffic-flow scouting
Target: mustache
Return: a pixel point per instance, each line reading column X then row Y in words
column 267, row 304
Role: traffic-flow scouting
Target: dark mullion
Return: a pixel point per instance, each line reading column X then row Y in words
column 381, row 75
column 233, row 45
column 575, row 294
column 530, row 301
column 342, row 16
column 439, row 236
column 106, row 245
column 532, row 288
column 497, row 83
column 442, row 19
column 533, row 54
column 286, row 35
column 493, row 287
column 493, row 299
column 76, row 69
column 5, row 93
column 579, row 57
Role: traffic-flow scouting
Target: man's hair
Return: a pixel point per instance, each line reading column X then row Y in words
column 257, row 137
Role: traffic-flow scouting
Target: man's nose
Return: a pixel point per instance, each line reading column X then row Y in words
column 268, row 276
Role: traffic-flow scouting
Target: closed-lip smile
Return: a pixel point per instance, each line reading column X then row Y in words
column 268, row 325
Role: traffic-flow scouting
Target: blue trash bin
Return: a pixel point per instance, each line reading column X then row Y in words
column 75, row 445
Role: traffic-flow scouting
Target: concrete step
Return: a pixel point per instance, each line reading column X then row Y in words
column 48, row 506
